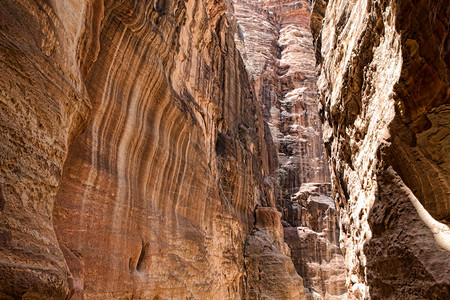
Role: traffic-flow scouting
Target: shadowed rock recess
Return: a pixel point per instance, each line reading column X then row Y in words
column 385, row 100
column 168, row 149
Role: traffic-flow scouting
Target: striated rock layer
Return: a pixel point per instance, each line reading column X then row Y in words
column 133, row 153
column 385, row 97
column 275, row 41
column 44, row 104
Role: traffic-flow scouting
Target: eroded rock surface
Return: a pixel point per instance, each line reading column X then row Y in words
column 132, row 151
column 318, row 261
column 270, row 271
column 384, row 93
column 275, row 41
column 314, row 242
column 43, row 104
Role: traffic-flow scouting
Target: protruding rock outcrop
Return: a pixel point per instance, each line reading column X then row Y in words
column 385, row 94
column 270, row 271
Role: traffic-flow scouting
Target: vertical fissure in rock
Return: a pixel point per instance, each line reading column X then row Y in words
column 142, row 255
column 276, row 44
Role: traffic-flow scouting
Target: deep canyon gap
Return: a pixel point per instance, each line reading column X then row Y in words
column 168, row 149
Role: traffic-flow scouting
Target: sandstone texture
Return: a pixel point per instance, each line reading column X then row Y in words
column 276, row 43
column 384, row 102
column 43, row 106
column 275, row 40
column 314, row 242
column 271, row 273
column 133, row 153
column 147, row 145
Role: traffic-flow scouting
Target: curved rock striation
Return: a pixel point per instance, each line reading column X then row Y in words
column 384, row 92
column 133, row 151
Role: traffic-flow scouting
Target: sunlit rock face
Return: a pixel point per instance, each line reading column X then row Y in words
column 384, row 93
column 275, row 41
column 133, row 152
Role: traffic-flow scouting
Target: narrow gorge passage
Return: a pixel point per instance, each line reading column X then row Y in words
column 226, row 149
column 275, row 41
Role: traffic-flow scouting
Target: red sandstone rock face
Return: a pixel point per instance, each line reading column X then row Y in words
column 43, row 105
column 275, row 40
column 133, row 152
column 384, row 90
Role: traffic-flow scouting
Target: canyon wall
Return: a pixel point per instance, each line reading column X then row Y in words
column 44, row 105
column 142, row 157
column 133, row 154
column 275, row 40
column 384, row 102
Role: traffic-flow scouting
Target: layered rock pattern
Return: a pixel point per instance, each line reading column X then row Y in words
column 384, row 94
column 133, row 152
column 275, row 41
column 44, row 105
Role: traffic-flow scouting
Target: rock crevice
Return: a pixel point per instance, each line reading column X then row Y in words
column 275, row 41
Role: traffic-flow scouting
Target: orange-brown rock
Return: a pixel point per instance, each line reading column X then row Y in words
column 43, row 106
column 385, row 96
column 275, row 41
column 270, row 271
column 133, row 151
